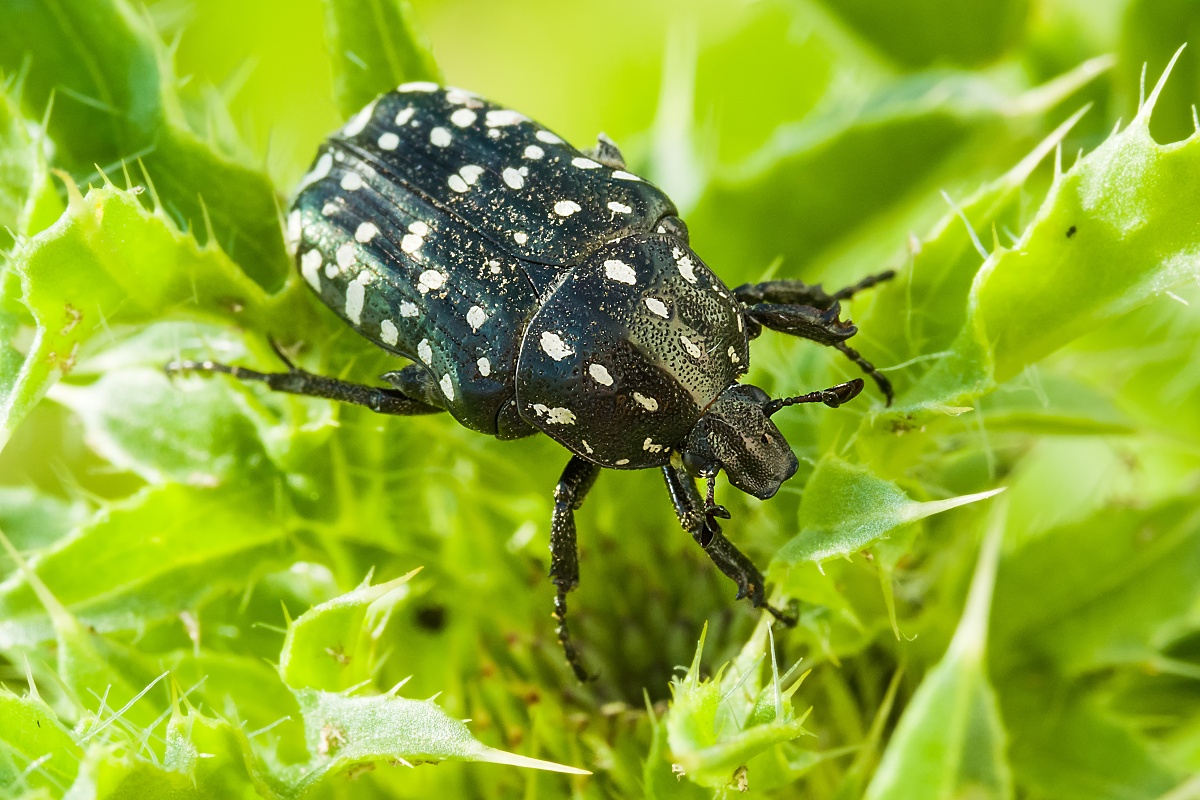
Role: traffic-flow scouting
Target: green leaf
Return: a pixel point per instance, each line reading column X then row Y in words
column 375, row 48
column 127, row 412
column 161, row 552
column 950, row 741
column 32, row 520
column 846, row 509
column 1113, row 233
column 332, row 646
column 115, row 104
column 111, row 262
column 345, row 731
column 28, row 202
column 714, row 727
column 35, row 749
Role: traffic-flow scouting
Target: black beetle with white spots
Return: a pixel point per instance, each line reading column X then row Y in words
column 539, row 288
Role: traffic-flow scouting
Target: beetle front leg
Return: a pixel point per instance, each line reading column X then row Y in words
column 796, row 292
column 822, row 326
column 701, row 522
column 577, row 478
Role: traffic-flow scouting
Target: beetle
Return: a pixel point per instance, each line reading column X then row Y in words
column 538, row 288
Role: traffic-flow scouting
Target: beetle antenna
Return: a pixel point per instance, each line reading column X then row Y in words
column 833, row 397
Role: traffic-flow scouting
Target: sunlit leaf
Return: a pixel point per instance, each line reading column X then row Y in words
column 950, row 742
column 846, row 509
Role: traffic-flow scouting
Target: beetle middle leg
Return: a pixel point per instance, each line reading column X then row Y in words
column 700, row 521
column 297, row 381
column 577, row 479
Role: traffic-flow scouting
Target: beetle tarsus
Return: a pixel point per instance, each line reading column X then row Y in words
column 577, row 479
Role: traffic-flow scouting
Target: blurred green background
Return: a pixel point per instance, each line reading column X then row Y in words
column 178, row 530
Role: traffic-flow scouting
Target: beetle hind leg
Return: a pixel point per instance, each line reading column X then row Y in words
column 801, row 293
column 577, row 479
column 699, row 520
column 297, row 381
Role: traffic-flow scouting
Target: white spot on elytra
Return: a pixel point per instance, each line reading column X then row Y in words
column 471, row 173
column 419, row 228
column 331, row 270
column 329, row 209
column 741, row 324
column 620, row 272
column 356, row 293
column 447, row 386
column 388, row 332
column 625, row 176
column 345, row 255
column 657, row 306
column 424, row 351
column 404, row 116
column 440, row 137
column 324, row 164
column 651, row 447
column 430, row 279
column 494, row 267
column 554, row 346
column 620, row 462
column 547, row 137
column 352, row 181
column 503, row 116
column 485, row 367
column 557, row 416
column 600, row 374
column 456, row 97
column 733, row 356
column 584, row 163
column 690, row 346
column 457, row 183
column 408, row 309
column 411, row 243
column 366, row 232
column 565, row 208
column 310, row 264
column 389, row 141
column 463, row 117
column 520, row 237
column 513, row 178
column 476, row 317
column 359, row 121
column 648, row 403
column 686, row 267
column 619, row 208
column 534, row 152
column 418, row 86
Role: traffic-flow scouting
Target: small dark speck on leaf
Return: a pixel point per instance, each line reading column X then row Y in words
column 1071, row 231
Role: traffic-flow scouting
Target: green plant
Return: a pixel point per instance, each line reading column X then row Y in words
column 208, row 591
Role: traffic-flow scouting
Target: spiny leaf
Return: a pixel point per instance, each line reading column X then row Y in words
column 1115, row 231
column 107, row 262
column 115, row 104
column 846, row 509
column 332, row 646
column 159, row 553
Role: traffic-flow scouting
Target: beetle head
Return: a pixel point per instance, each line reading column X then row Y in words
column 736, row 435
